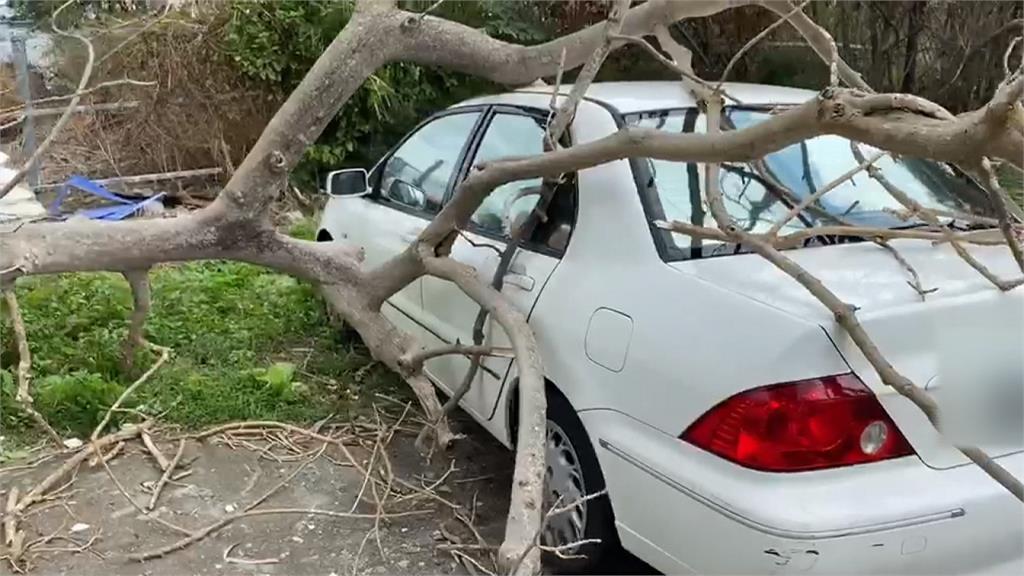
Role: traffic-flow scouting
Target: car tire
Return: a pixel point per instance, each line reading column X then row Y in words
column 573, row 472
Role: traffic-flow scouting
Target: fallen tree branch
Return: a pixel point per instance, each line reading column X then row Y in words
column 125, row 81
column 44, row 486
column 142, row 178
column 166, row 476
column 845, row 316
column 158, row 456
column 414, row 362
column 929, row 216
column 528, row 477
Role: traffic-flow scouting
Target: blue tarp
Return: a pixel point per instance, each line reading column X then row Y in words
column 121, row 209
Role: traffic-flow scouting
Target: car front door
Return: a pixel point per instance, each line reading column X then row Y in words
column 449, row 314
column 407, row 189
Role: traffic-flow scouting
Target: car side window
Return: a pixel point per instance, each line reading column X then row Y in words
column 416, row 175
column 509, row 135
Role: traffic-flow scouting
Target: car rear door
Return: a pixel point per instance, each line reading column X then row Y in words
column 449, row 314
column 407, row 189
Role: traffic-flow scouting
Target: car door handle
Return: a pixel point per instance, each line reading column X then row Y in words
column 519, row 281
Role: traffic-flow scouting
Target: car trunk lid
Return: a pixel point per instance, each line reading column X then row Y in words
column 964, row 342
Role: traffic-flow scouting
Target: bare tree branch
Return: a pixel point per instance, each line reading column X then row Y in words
column 753, row 41
column 817, row 195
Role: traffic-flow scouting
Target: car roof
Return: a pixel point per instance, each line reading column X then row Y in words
column 627, row 97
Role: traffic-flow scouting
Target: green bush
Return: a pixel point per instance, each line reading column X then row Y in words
column 76, row 402
column 277, row 42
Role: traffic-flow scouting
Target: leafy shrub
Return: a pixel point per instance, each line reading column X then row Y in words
column 76, row 402
column 277, row 42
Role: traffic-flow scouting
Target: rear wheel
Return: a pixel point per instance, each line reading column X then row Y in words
column 572, row 473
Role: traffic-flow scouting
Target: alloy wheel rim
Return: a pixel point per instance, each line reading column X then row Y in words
column 563, row 485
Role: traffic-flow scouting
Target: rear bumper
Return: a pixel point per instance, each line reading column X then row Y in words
column 684, row 510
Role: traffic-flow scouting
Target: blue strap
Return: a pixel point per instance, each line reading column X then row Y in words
column 119, row 211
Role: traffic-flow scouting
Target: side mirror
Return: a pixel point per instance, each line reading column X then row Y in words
column 351, row 182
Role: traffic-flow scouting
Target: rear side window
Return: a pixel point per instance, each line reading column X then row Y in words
column 417, row 174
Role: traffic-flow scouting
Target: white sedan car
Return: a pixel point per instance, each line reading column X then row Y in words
column 736, row 427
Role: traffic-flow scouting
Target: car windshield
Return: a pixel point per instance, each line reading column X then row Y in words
column 757, row 194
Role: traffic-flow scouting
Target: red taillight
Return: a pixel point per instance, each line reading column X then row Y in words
column 806, row 425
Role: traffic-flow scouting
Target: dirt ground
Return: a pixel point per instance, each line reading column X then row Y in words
column 226, row 479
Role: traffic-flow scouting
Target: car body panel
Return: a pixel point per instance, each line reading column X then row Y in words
column 687, row 511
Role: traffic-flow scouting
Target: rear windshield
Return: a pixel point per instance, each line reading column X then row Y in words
column 759, row 193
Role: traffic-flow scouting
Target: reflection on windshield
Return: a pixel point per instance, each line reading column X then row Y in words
column 758, row 194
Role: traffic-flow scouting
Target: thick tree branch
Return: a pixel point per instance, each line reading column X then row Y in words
column 366, row 44
column 88, row 245
column 528, row 479
column 439, row 42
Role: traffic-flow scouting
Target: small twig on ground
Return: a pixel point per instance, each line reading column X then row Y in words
column 468, row 561
column 285, row 481
column 164, row 355
column 74, row 550
column 161, row 460
column 136, row 505
column 166, row 475
column 201, row 533
column 110, row 455
column 255, row 562
column 31, row 465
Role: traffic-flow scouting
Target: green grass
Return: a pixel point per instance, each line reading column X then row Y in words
column 247, row 344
